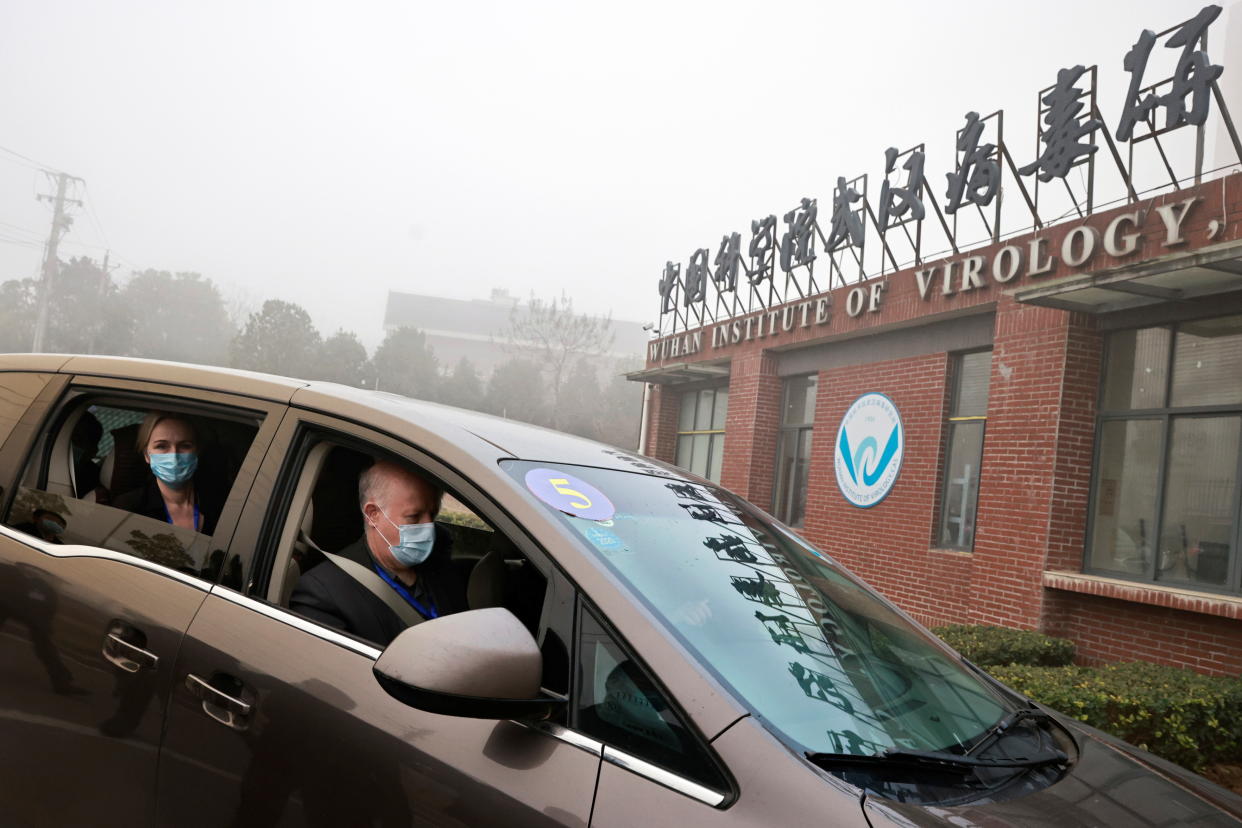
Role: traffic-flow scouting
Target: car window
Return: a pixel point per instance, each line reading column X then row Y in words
column 828, row 665
column 472, row 565
column 618, row 704
column 141, row 477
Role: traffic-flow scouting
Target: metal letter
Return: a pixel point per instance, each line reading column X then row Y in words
column 1089, row 237
column 1034, row 266
column 1002, row 272
column 978, row 175
column 1063, row 138
column 1130, row 240
column 1173, row 215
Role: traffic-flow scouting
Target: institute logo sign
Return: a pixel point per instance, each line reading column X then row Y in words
column 870, row 444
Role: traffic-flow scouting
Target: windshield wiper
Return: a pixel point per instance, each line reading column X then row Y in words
column 933, row 759
column 1005, row 722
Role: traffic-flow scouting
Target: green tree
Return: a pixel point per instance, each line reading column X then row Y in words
column 179, row 316
column 406, row 364
column 556, row 337
column 343, row 359
column 279, row 339
column 516, row 391
column 463, row 387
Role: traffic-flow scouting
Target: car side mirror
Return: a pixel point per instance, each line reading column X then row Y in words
column 482, row 664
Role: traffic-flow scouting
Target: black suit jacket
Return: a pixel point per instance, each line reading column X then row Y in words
column 326, row 594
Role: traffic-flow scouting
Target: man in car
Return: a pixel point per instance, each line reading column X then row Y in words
column 413, row 578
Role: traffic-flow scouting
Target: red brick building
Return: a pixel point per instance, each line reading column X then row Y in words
column 1072, row 410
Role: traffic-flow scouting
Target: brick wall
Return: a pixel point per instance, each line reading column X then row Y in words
column 752, row 426
column 1107, row 629
column 888, row 544
column 663, row 409
column 1036, row 471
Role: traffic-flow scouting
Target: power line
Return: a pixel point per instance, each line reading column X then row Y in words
column 35, row 165
column 89, row 198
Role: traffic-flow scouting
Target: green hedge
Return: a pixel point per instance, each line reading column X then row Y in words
column 1180, row 715
column 987, row 646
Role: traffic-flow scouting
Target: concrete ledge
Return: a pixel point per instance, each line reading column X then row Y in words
column 1187, row 600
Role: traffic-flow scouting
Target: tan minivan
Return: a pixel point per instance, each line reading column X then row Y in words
column 635, row 645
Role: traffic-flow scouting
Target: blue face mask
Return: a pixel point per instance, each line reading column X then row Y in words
column 174, row 469
column 414, row 541
column 52, row 527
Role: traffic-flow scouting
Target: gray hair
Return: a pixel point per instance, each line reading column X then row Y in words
column 374, row 483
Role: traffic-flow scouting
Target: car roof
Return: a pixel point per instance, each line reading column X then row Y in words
column 494, row 437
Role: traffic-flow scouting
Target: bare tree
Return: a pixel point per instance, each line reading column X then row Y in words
column 556, row 337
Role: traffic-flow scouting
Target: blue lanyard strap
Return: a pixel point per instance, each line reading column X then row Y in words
column 405, row 593
column 168, row 515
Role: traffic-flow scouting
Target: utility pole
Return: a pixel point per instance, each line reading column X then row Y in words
column 51, row 264
column 104, row 273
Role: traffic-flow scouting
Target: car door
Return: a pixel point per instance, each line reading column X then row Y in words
column 92, row 613
column 278, row 720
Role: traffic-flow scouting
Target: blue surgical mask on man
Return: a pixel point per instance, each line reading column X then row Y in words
column 414, row 541
column 52, row 527
column 175, row 469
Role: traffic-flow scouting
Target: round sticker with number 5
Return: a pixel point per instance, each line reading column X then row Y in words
column 569, row 494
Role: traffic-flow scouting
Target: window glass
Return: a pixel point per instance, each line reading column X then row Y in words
column 702, row 449
column 717, row 458
column 700, row 438
column 794, row 448
column 1165, row 495
column 973, row 377
column 685, row 450
column 1137, row 369
column 470, row 565
column 800, row 400
column 961, row 490
column 1199, row 500
column 620, row 706
column 825, row 663
column 1207, row 363
column 685, row 419
column 93, row 483
column 720, row 409
column 1124, row 519
column 703, row 415
column 964, row 450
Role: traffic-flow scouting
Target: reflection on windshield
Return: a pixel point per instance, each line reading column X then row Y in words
column 816, row 656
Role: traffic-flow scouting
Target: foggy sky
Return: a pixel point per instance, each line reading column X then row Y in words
column 324, row 154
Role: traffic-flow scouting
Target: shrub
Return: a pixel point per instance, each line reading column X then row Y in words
column 1180, row 715
column 987, row 646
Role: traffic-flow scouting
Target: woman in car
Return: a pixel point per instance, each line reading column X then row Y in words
column 174, row 492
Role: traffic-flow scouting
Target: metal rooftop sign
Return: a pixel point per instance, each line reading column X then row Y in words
column 742, row 276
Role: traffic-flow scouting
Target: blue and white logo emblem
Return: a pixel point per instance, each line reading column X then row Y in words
column 870, row 443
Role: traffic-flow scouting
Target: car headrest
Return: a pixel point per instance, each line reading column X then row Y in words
column 486, row 587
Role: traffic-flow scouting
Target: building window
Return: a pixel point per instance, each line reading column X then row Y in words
column 700, row 431
column 1165, row 498
column 968, row 414
column 793, row 453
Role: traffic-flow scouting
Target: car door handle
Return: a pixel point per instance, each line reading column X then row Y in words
column 129, row 657
column 225, row 709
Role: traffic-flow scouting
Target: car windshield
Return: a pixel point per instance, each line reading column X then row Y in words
column 817, row 656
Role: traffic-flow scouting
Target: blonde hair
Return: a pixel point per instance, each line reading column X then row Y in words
column 155, row 418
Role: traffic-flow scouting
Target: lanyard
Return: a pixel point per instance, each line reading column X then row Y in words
column 405, row 593
column 168, row 515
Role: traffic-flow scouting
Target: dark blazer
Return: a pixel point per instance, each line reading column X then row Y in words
column 147, row 501
column 326, row 594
